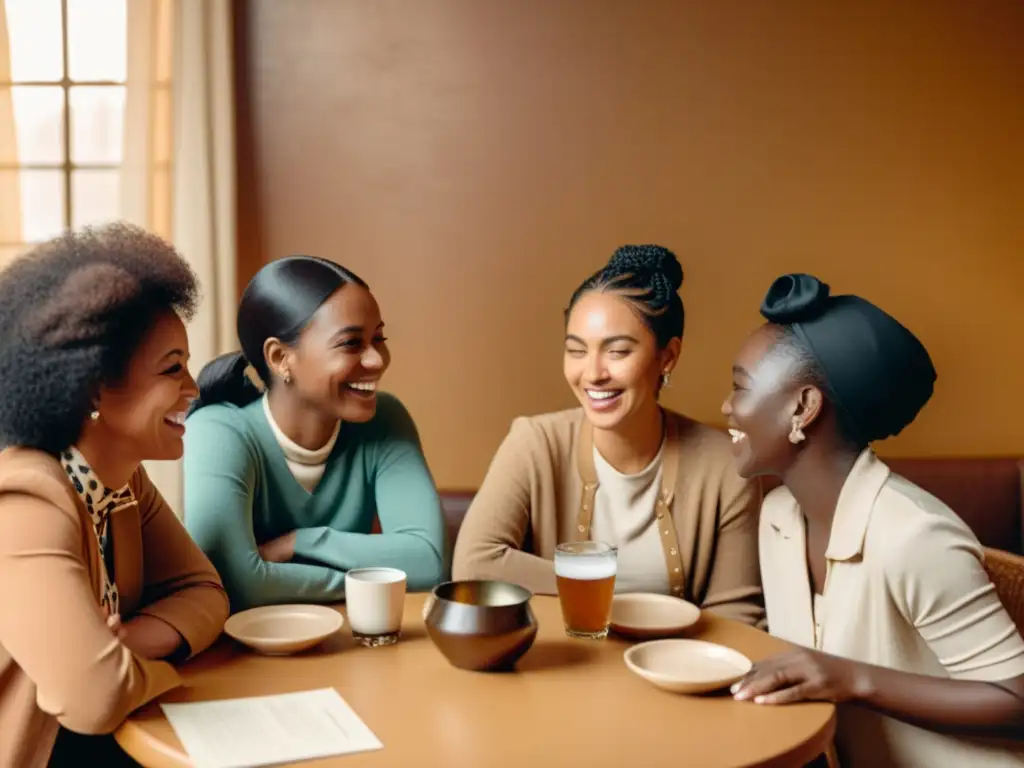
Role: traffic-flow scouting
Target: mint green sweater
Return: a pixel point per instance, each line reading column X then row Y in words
column 240, row 493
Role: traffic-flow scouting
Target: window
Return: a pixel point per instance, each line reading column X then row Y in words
column 66, row 92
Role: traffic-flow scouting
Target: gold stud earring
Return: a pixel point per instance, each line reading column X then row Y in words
column 796, row 434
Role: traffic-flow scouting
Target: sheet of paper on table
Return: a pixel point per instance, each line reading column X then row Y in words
column 268, row 730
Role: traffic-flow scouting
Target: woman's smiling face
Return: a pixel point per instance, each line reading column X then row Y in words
column 765, row 397
column 612, row 362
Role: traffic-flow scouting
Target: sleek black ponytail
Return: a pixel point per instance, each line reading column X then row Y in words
column 223, row 380
column 278, row 303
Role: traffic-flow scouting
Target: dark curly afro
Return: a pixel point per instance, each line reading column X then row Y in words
column 72, row 312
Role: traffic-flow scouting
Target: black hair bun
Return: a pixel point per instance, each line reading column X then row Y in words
column 795, row 298
column 648, row 259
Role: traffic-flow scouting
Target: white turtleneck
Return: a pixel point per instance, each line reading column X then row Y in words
column 306, row 466
column 624, row 517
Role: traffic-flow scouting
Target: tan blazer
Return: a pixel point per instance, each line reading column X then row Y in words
column 59, row 662
column 536, row 493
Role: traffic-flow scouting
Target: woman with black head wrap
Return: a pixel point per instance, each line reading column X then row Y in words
column 621, row 468
column 883, row 581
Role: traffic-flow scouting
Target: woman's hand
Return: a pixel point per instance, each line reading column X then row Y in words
column 803, row 675
column 146, row 636
column 279, row 550
column 946, row 705
column 150, row 637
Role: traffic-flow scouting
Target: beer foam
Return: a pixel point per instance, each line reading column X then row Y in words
column 585, row 568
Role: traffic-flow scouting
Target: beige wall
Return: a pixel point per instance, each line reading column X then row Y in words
column 475, row 160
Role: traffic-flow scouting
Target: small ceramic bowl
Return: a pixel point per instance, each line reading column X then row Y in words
column 687, row 666
column 646, row 616
column 282, row 629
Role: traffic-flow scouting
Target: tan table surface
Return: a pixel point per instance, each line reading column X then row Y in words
column 570, row 702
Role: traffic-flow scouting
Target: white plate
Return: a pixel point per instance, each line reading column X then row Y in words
column 283, row 629
column 687, row 666
column 645, row 615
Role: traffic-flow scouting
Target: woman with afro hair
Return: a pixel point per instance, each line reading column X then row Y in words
column 103, row 587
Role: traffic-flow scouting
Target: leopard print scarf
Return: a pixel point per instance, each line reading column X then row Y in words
column 100, row 501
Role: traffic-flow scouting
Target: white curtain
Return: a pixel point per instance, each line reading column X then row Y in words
column 10, row 186
column 178, row 177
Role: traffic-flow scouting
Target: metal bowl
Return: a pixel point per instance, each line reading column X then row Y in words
column 485, row 626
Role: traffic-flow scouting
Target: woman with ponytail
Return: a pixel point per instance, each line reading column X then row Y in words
column 292, row 452
column 622, row 468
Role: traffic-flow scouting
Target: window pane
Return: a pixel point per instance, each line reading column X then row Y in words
column 97, row 123
column 95, row 197
column 38, row 124
column 33, row 29
column 97, row 40
column 42, row 202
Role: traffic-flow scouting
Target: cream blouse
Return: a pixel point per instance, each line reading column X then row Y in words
column 905, row 588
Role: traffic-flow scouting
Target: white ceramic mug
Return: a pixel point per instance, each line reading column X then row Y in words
column 374, row 599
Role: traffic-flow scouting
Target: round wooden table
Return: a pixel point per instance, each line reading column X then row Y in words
column 569, row 702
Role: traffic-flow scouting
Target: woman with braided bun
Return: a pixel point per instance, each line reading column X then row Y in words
column 621, row 468
column 880, row 583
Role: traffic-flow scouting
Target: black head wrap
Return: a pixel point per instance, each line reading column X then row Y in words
column 879, row 374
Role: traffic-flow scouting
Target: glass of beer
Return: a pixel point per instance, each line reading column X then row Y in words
column 585, row 573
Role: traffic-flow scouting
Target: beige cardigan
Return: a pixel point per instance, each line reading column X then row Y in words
column 530, row 501
column 59, row 662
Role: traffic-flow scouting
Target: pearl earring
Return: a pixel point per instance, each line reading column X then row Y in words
column 287, row 377
column 95, row 415
column 666, row 380
column 796, row 434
